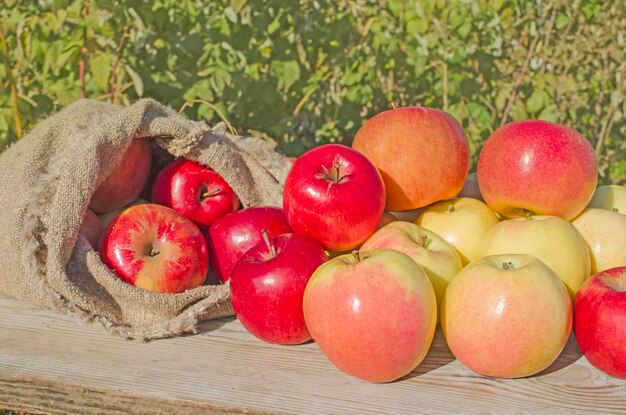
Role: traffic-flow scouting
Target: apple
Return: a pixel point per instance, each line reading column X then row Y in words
column 610, row 197
column 471, row 188
column 605, row 234
column 267, row 286
column 234, row 234
column 334, row 195
column 600, row 321
column 422, row 154
column 551, row 239
column 462, row 222
column 506, row 316
column 154, row 248
column 91, row 228
column 372, row 313
column 538, row 167
column 126, row 180
column 440, row 261
column 106, row 218
column 194, row 191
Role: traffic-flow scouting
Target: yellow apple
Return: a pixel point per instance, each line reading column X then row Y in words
column 605, row 233
column 609, row 197
column 440, row 261
column 462, row 222
column 551, row 239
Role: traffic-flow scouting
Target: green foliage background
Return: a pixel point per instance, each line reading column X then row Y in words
column 306, row 72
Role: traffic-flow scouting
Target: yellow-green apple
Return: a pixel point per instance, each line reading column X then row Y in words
column 610, row 197
column 537, row 166
column 334, row 195
column 195, row 191
column 422, row 154
column 605, row 233
column 372, row 313
column 106, row 218
column 600, row 321
column 440, row 261
column 471, row 188
column 126, row 180
column 91, row 228
column 551, row 239
column 462, row 222
column 234, row 234
column 267, row 286
column 506, row 316
column 156, row 249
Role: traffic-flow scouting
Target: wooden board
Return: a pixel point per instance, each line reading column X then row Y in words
column 52, row 363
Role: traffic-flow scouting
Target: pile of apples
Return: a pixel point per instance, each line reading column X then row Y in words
column 378, row 243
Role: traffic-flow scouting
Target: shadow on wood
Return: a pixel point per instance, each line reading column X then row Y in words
column 438, row 355
column 570, row 355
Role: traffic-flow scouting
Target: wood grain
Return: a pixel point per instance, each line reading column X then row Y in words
column 54, row 364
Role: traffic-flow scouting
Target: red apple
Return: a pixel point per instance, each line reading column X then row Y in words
column 600, row 321
column 155, row 248
column 91, row 228
column 194, row 191
column 233, row 235
column 267, row 285
column 126, row 180
column 537, row 166
column 422, row 154
column 334, row 195
column 373, row 314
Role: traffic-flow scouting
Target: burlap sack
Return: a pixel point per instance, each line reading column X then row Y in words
column 46, row 181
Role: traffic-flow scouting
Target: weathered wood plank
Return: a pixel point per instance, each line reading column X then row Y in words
column 51, row 363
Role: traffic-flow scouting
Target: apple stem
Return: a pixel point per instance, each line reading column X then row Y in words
column 153, row 252
column 212, row 192
column 616, row 210
column 423, row 240
column 357, row 255
column 450, row 208
column 268, row 242
column 393, row 105
column 508, row 266
column 528, row 214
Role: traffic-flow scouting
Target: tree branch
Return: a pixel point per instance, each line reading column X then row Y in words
column 118, row 58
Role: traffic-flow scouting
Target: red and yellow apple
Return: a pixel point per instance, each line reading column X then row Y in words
column 462, row 222
column 600, row 321
column 506, row 316
column 373, row 314
column 551, row 239
column 126, row 180
column 539, row 167
column 421, row 153
column 433, row 254
column 605, row 234
column 156, row 249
